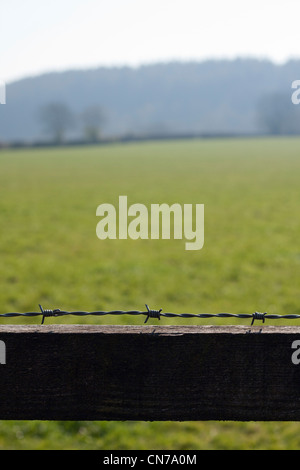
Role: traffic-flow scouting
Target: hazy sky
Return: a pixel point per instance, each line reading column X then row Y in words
column 43, row 35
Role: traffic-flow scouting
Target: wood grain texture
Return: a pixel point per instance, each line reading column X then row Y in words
column 149, row 372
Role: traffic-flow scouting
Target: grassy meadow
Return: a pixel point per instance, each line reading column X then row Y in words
column 250, row 261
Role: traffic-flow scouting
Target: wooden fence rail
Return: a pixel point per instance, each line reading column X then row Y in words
column 149, row 372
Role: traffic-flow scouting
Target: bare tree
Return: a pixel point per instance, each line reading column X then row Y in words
column 277, row 115
column 92, row 119
column 57, row 119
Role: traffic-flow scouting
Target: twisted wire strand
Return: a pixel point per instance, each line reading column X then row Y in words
column 150, row 314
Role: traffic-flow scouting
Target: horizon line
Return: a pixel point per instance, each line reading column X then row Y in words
column 77, row 68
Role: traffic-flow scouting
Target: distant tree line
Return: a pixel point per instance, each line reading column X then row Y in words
column 276, row 115
column 58, row 119
column 213, row 97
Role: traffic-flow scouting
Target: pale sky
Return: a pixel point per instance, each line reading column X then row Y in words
column 38, row 36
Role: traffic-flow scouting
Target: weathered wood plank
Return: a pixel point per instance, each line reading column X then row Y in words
column 149, row 372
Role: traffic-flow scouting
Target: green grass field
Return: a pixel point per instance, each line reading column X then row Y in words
column 250, row 261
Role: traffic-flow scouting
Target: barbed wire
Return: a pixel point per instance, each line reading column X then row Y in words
column 149, row 313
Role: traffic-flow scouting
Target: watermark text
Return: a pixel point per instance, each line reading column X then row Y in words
column 2, row 352
column 2, row 92
column 296, row 93
column 133, row 222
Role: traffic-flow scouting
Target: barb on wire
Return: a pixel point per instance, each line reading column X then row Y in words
column 150, row 314
column 258, row 316
column 49, row 313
